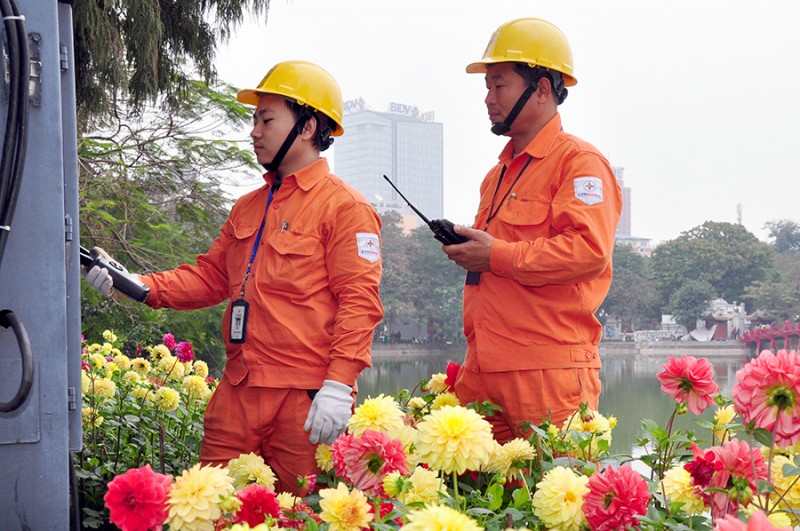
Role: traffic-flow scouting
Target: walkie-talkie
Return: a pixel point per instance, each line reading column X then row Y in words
column 442, row 228
column 123, row 282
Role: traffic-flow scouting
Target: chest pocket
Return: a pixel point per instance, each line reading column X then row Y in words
column 525, row 219
column 294, row 263
column 242, row 238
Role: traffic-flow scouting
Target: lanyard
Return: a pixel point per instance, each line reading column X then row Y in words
column 497, row 189
column 255, row 244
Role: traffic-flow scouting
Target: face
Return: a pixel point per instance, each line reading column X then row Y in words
column 272, row 121
column 503, row 88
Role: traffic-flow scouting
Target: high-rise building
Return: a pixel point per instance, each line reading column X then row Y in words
column 403, row 144
column 624, row 226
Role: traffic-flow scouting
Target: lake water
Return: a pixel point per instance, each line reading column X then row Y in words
column 631, row 390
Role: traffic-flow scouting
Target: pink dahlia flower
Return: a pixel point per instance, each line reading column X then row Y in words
column 365, row 460
column 169, row 341
column 767, row 393
column 757, row 522
column 739, row 464
column 137, row 499
column 615, row 498
column 689, row 381
column 184, row 352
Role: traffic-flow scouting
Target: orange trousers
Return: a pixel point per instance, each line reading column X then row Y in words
column 529, row 396
column 266, row 421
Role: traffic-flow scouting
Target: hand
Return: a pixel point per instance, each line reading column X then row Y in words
column 329, row 413
column 100, row 279
column 474, row 254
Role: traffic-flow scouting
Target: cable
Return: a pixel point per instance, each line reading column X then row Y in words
column 11, row 165
column 8, row 319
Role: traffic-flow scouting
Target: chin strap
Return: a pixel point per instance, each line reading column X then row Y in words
column 504, row 126
column 290, row 138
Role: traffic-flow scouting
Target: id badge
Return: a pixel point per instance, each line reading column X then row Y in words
column 473, row 278
column 238, row 321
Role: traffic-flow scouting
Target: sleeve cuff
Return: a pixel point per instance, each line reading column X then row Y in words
column 501, row 257
column 344, row 371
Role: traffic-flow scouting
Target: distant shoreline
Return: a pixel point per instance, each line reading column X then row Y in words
column 607, row 349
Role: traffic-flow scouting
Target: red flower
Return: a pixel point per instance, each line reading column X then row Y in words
column 737, row 460
column 169, row 341
column 689, row 381
column 615, row 498
column 452, row 373
column 258, row 502
column 137, row 499
column 365, row 460
column 767, row 393
column 703, row 467
column 183, row 351
column 295, row 518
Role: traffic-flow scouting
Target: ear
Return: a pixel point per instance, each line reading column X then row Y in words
column 309, row 129
column 544, row 89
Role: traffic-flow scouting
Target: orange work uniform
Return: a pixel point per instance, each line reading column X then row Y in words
column 313, row 305
column 530, row 322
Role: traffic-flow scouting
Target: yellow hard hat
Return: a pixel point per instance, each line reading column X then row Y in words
column 529, row 40
column 307, row 84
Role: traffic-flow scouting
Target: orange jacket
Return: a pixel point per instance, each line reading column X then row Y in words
column 313, row 287
column 550, row 260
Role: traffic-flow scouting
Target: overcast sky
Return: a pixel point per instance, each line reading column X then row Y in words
column 696, row 100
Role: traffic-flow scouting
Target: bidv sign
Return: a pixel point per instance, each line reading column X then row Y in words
column 354, row 105
column 411, row 110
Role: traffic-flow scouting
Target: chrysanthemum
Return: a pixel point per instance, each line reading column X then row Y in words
column 137, row 499
column 454, row 439
column 445, row 399
column 365, row 460
column 258, row 502
column 615, row 498
column 678, row 488
column 250, row 468
column 558, row 500
column 382, row 414
column 167, row 399
column 437, row 383
column 195, row 497
column 344, row 510
column 767, row 393
column 141, row 365
column 440, row 518
column 689, row 381
column 722, row 419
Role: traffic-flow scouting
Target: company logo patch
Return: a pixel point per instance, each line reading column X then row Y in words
column 369, row 246
column 589, row 190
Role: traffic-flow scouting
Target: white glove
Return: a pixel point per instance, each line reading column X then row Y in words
column 329, row 413
column 100, row 279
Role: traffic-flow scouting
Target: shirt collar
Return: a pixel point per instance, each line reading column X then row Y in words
column 306, row 177
column 540, row 145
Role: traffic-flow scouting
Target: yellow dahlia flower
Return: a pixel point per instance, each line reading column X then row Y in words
column 104, row 388
column 677, row 487
column 436, row 383
column 440, row 518
column 381, row 414
column 107, row 349
column 167, row 399
column 200, row 368
column 97, row 360
column 517, row 454
column 123, row 362
column 778, row 519
column 324, row 457
column 170, row 366
column 454, row 439
column 250, row 468
column 558, row 500
column 445, row 399
column 158, row 352
column 788, row 486
column 86, row 383
column 131, row 378
column 722, row 417
column 109, row 336
column 90, row 417
column 143, row 393
column 195, row 497
column 426, row 487
column 344, row 510
column 415, row 403
column 287, row 500
column 195, row 386
column 597, row 425
column 141, row 365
